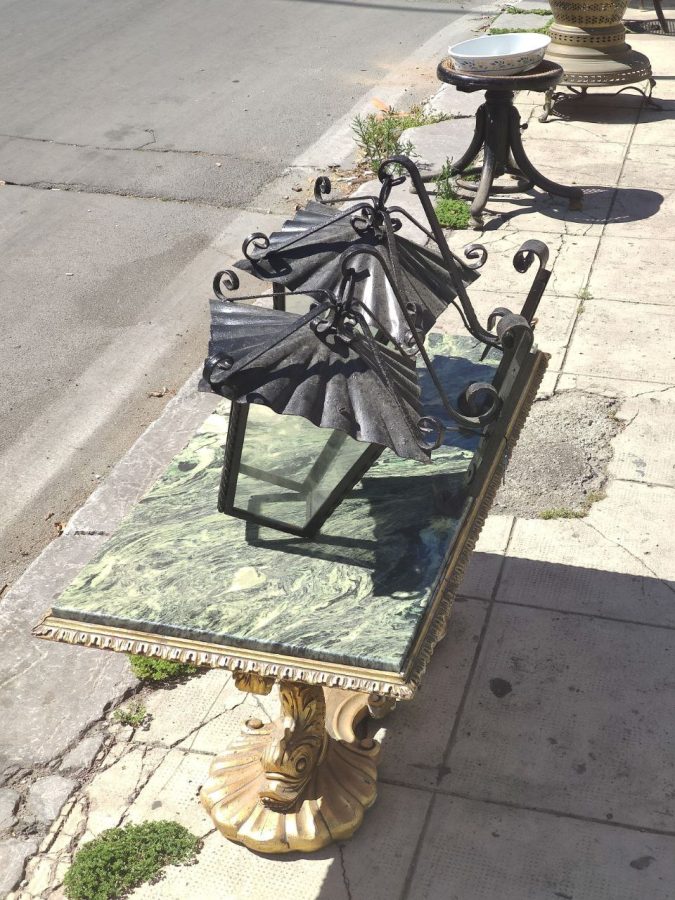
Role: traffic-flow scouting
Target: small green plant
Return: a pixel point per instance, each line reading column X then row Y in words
column 519, row 11
column 122, row 858
column 378, row 135
column 133, row 715
column 545, row 30
column 584, row 294
column 148, row 669
column 445, row 183
column 564, row 512
column 451, row 210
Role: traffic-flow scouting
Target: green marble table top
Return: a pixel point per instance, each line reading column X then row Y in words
column 355, row 596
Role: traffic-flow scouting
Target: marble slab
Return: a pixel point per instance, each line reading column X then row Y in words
column 355, row 595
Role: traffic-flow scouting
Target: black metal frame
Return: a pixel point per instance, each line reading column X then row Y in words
column 232, row 468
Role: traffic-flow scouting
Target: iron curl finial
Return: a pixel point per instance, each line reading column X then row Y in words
column 227, row 279
column 480, row 400
column 322, row 188
column 431, row 433
column 216, row 368
column 526, row 255
column 258, row 241
column 522, row 260
column 511, row 327
column 478, row 255
column 361, row 221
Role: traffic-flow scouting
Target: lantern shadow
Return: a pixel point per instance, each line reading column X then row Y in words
column 409, row 518
column 409, row 521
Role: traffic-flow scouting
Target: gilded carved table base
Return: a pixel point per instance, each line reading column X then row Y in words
column 301, row 782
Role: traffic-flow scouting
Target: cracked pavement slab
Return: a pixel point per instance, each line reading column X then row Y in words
column 562, row 457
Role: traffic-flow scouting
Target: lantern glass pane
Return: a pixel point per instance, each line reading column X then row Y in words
column 289, row 468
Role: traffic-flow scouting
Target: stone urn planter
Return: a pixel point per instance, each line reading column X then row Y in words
column 588, row 40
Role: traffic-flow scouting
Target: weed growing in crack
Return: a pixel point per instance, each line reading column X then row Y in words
column 378, row 135
column 518, row 11
column 452, row 211
column 565, row 512
column 120, row 859
column 584, row 294
column 545, row 30
column 562, row 512
column 148, row 669
column 134, row 715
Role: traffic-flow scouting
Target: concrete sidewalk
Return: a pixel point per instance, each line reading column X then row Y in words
column 537, row 761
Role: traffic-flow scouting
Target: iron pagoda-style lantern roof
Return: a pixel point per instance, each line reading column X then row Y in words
column 337, row 358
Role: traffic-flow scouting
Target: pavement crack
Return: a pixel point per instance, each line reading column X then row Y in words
column 81, row 188
column 146, row 147
column 200, row 725
column 345, row 877
column 663, row 581
column 151, row 132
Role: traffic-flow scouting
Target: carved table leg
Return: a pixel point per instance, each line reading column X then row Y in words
column 298, row 783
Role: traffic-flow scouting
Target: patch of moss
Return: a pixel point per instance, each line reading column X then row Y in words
column 148, row 669
column 120, row 859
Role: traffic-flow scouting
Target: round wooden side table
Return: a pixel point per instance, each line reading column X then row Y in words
column 497, row 134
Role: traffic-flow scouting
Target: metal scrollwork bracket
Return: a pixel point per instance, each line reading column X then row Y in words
column 524, row 257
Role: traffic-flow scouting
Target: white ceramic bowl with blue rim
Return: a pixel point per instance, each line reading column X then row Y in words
column 500, row 54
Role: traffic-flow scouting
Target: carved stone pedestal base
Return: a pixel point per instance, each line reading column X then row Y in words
column 296, row 783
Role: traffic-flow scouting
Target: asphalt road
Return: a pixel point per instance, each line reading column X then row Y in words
column 131, row 134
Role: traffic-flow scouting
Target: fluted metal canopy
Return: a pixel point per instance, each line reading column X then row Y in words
column 342, row 381
column 307, row 253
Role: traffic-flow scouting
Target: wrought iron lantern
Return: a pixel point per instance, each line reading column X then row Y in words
column 337, row 357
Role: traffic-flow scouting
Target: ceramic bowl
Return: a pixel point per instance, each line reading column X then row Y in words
column 500, row 54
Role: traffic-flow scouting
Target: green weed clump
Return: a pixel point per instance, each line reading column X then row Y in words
column 133, row 715
column 519, row 11
column 546, row 29
column 451, row 210
column 453, row 214
column 378, row 135
column 564, row 512
column 148, row 669
column 120, row 859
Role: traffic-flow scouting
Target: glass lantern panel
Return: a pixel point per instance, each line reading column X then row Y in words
column 290, row 469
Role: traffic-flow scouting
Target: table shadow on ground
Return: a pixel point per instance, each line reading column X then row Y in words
column 602, row 206
column 593, row 613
